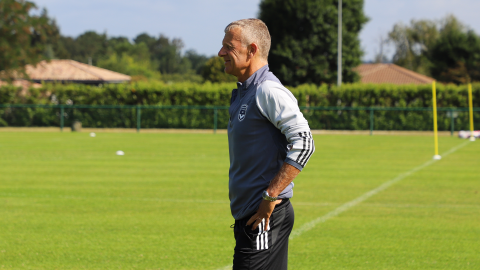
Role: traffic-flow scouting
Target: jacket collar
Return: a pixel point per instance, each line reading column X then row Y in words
column 252, row 80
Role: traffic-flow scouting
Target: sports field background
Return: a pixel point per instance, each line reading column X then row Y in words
column 68, row 202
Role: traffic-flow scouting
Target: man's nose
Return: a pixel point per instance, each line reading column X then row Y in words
column 221, row 52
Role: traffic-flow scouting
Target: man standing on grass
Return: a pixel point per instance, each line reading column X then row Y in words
column 269, row 143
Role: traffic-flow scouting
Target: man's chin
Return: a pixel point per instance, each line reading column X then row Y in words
column 227, row 70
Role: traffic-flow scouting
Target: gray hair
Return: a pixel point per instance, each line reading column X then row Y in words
column 253, row 31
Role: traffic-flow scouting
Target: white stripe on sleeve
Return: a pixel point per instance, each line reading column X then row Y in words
column 280, row 107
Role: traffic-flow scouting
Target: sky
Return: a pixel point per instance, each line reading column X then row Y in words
column 200, row 23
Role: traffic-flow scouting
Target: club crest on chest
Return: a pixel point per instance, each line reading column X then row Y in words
column 243, row 112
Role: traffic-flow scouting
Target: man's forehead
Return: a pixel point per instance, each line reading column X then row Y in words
column 232, row 35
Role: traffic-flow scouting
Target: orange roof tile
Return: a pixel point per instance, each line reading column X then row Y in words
column 390, row 73
column 72, row 71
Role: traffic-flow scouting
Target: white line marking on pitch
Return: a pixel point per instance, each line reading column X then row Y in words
column 310, row 225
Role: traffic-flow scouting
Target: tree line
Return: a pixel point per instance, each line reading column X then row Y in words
column 303, row 49
column 303, row 45
column 26, row 38
column 446, row 50
column 145, row 57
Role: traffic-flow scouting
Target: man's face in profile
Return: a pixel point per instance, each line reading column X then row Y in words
column 234, row 53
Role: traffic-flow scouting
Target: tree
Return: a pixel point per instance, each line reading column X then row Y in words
column 213, row 71
column 131, row 59
column 456, row 54
column 380, row 55
column 304, row 39
column 120, row 45
column 413, row 43
column 197, row 60
column 126, row 64
column 146, row 57
column 23, row 36
column 166, row 53
column 147, row 39
column 90, row 47
column 64, row 47
column 446, row 50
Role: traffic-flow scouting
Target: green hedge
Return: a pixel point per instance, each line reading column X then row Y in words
column 386, row 96
column 189, row 94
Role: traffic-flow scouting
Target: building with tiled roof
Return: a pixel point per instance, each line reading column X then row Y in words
column 390, row 73
column 72, row 71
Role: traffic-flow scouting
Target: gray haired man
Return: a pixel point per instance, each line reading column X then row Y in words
column 269, row 144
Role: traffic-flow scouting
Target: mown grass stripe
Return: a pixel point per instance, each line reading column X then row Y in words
column 310, row 225
column 14, row 195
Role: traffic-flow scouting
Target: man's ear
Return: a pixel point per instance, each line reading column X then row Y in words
column 253, row 50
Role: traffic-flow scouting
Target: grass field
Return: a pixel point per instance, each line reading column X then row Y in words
column 68, row 202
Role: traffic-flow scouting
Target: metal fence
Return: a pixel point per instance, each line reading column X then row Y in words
column 217, row 117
